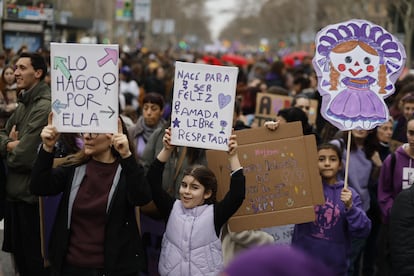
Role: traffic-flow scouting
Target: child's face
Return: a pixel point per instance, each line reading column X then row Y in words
column 408, row 110
column 192, row 193
column 356, row 63
column 329, row 165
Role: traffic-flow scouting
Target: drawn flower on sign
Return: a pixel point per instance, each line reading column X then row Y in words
column 223, row 124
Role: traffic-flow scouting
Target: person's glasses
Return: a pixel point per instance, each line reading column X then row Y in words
column 90, row 135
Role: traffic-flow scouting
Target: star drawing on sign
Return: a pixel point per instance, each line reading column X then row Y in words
column 176, row 123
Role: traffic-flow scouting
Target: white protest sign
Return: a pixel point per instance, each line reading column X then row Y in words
column 84, row 84
column 203, row 105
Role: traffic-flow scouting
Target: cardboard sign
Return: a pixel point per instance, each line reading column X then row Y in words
column 282, row 177
column 357, row 64
column 203, row 105
column 84, row 84
column 268, row 105
column 281, row 234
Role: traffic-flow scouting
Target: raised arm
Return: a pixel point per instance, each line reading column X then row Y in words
column 236, row 194
column 233, row 155
column 161, row 198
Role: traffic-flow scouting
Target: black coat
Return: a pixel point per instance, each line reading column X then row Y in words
column 402, row 233
column 123, row 250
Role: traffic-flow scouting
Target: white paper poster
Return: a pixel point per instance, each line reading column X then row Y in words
column 203, row 105
column 84, row 84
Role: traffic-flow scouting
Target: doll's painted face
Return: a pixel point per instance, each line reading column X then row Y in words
column 355, row 63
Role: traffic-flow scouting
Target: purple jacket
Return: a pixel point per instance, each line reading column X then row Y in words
column 329, row 237
column 389, row 188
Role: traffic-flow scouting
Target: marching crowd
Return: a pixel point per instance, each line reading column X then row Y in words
column 131, row 203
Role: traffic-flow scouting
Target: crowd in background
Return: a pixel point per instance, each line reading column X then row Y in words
column 146, row 81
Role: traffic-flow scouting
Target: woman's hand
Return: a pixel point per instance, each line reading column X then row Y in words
column 49, row 135
column 166, row 151
column 166, row 140
column 271, row 125
column 232, row 152
column 233, row 145
column 120, row 142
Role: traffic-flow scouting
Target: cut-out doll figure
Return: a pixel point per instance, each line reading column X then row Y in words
column 357, row 64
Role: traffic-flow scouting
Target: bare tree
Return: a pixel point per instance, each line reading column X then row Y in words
column 405, row 10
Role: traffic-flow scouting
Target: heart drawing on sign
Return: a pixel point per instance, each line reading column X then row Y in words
column 223, row 100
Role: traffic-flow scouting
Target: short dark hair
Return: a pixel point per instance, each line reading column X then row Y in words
column 38, row 62
column 294, row 114
column 408, row 98
column 154, row 98
column 206, row 178
column 299, row 96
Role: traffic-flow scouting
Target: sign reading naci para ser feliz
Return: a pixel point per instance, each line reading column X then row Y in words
column 203, row 105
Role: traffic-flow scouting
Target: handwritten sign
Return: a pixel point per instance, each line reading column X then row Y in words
column 84, row 87
column 357, row 64
column 282, row 182
column 268, row 105
column 281, row 234
column 203, row 105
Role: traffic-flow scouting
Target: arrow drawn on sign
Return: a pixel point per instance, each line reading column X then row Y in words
column 59, row 62
column 111, row 54
column 110, row 111
column 57, row 106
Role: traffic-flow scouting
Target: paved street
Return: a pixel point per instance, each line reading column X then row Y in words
column 5, row 262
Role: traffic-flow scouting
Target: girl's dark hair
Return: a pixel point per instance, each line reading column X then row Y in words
column 371, row 143
column 332, row 147
column 206, row 178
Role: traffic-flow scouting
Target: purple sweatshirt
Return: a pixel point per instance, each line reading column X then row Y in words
column 359, row 172
column 389, row 188
column 328, row 238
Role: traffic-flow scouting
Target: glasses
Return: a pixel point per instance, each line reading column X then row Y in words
column 90, row 135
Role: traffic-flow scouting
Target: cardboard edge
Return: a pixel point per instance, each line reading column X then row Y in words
column 282, row 217
column 315, row 178
column 285, row 130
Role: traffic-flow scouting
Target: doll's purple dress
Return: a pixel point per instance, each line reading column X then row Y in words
column 358, row 102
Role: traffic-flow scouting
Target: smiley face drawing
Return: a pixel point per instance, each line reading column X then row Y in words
column 357, row 64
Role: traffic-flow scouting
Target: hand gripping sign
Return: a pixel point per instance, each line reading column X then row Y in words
column 357, row 64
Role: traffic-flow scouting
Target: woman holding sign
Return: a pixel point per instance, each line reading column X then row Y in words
column 95, row 232
column 195, row 220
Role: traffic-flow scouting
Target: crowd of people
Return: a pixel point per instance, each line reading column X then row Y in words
column 131, row 203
